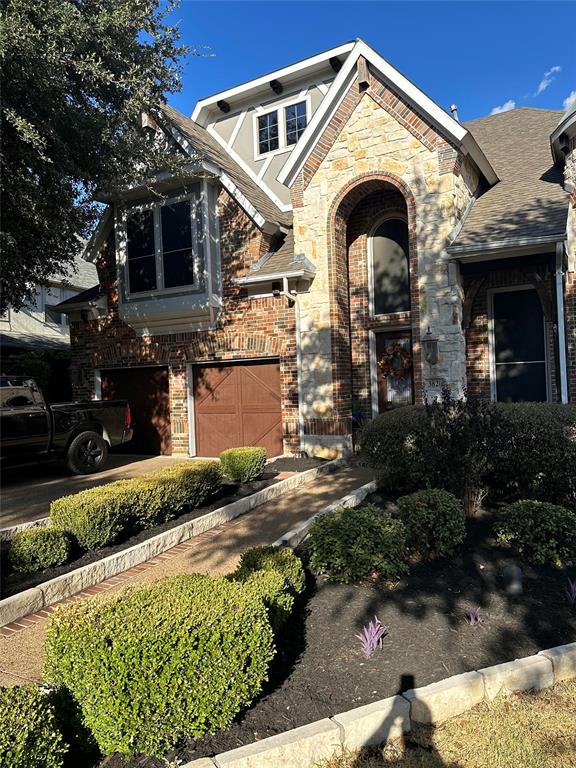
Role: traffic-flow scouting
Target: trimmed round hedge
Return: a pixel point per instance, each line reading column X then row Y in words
column 257, row 563
column 99, row 517
column 155, row 664
column 38, row 548
column 541, row 532
column 434, row 520
column 349, row 544
column 243, row 465
column 29, row 735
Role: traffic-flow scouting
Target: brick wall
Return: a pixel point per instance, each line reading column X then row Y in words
column 246, row 329
column 477, row 334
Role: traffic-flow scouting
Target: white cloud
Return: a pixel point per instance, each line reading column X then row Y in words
column 506, row 107
column 547, row 79
column 570, row 102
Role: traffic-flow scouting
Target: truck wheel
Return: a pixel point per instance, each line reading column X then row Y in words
column 87, row 453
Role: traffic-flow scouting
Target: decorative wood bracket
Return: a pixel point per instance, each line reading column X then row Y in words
column 469, row 298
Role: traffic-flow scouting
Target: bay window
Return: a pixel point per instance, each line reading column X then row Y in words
column 162, row 244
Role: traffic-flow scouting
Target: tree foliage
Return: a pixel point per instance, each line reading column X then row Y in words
column 77, row 74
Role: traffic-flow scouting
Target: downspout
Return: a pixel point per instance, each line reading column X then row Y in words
column 559, row 280
column 293, row 297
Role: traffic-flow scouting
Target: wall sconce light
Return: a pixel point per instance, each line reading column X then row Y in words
column 430, row 347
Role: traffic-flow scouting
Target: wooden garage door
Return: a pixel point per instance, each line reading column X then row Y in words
column 235, row 405
column 146, row 389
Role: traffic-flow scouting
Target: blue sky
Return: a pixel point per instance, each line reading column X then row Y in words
column 480, row 55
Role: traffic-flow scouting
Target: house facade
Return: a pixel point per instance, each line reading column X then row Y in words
column 340, row 245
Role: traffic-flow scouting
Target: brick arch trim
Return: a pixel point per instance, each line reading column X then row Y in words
column 349, row 196
column 204, row 346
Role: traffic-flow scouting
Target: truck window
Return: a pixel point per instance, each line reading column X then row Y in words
column 24, row 396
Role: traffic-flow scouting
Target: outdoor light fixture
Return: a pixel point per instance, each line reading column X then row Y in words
column 430, row 348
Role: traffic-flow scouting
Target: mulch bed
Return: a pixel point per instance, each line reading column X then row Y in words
column 12, row 583
column 321, row 671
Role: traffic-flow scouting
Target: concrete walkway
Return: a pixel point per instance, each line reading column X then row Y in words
column 216, row 551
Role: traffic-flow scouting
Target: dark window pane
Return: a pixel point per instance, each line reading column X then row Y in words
column 390, row 272
column 140, row 230
column 521, row 382
column 178, row 268
column 176, row 226
column 518, row 327
column 295, row 121
column 268, row 132
column 142, row 274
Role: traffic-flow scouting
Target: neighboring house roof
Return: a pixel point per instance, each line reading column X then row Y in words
column 209, row 149
column 278, row 264
column 22, row 340
column 529, row 201
column 80, row 274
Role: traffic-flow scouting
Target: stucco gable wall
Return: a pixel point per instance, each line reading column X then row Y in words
column 373, row 141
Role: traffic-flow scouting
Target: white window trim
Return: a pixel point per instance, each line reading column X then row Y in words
column 156, row 207
column 281, row 110
column 371, row 302
column 492, row 341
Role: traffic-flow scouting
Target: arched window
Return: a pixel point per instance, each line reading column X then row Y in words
column 390, row 281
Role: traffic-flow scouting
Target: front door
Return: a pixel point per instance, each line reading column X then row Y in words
column 394, row 370
column 519, row 347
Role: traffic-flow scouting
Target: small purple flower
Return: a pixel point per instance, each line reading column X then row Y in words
column 473, row 617
column 570, row 592
column 371, row 637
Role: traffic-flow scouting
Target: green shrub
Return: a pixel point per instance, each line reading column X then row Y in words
column 393, row 445
column 155, row 664
column 243, row 465
column 534, row 454
column 101, row 516
column 281, row 559
column 38, row 548
column 254, row 567
column 540, row 531
column 434, row 520
column 349, row 544
column 29, row 736
column 467, row 447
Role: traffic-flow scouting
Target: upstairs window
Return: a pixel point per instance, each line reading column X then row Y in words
column 296, row 120
column 268, row 139
column 161, row 245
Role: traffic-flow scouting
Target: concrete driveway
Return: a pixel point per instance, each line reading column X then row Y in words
column 26, row 493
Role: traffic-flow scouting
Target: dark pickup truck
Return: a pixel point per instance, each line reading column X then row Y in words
column 79, row 432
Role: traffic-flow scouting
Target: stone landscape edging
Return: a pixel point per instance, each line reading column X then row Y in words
column 388, row 719
column 7, row 534
column 45, row 594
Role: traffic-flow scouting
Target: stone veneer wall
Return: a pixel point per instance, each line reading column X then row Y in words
column 374, row 134
column 247, row 328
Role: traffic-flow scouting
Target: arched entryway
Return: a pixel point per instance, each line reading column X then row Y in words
column 374, row 297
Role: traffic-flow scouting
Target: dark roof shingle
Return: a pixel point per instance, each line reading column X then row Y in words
column 207, row 147
column 529, row 200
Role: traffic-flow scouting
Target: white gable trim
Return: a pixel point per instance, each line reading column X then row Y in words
column 407, row 89
column 94, row 244
column 292, row 69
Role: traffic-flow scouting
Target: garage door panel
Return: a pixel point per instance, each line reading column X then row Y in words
column 215, row 386
column 237, row 404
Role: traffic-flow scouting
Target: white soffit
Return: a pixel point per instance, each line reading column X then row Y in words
column 291, row 72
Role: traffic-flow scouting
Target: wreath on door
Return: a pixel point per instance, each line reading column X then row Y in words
column 396, row 362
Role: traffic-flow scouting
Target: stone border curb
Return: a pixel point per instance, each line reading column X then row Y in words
column 296, row 536
column 68, row 584
column 7, row 534
column 389, row 718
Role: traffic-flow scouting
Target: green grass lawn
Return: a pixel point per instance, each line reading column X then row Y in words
column 518, row 731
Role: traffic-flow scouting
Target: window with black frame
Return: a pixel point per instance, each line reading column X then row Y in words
column 296, row 121
column 268, row 137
